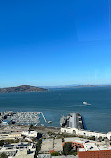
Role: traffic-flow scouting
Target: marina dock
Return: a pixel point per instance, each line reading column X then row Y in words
column 22, row 118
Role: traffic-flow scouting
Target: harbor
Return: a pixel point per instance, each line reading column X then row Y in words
column 72, row 120
column 56, row 103
column 23, row 118
column 23, row 135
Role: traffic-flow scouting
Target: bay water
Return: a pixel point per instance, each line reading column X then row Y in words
column 58, row 102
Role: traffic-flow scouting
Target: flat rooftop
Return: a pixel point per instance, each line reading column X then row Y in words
column 94, row 147
column 63, row 156
column 24, row 154
column 58, row 145
column 51, row 144
column 78, row 140
column 73, row 120
column 47, row 145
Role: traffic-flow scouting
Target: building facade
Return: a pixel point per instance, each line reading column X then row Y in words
column 94, row 154
column 86, row 133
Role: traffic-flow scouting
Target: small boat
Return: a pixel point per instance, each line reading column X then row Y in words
column 49, row 122
column 35, row 125
column 85, row 103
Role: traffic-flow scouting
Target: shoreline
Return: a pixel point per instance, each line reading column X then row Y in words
column 20, row 128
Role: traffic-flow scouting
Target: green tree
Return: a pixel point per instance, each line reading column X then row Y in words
column 67, row 148
column 38, row 146
column 1, row 142
column 31, row 127
column 100, row 138
column 92, row 138
column 55, row 153
column 3, row 155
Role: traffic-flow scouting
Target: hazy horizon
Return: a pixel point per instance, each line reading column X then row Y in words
column 60, row 86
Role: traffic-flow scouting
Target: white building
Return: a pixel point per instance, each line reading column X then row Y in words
column 86, row 133
column 109, row 135
column 29, row 134
column 12, row 135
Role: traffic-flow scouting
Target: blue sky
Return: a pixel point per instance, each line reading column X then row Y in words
column 56, row 42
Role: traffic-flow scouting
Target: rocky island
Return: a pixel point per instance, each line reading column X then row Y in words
column 22, row 88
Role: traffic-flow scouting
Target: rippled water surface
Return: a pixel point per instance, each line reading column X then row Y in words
column 58, row 102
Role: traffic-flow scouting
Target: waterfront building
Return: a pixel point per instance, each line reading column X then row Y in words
column 109, row 135
column 84, row 133
column 73, row 124
column 73, row 120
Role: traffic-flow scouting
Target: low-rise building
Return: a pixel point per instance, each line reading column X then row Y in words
column 18, row 149
column 44, row 156
column 13, row 135
column 76, row 142
column 49, row 145
column 30, row 134
column 63, row 156
column 23, row 154
column 86, row 133
column 90, row 150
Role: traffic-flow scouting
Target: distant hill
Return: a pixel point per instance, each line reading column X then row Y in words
column 77, row 86
column 91, row 85
column 22, row 88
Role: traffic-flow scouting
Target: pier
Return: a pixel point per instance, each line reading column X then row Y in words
column 73, row 120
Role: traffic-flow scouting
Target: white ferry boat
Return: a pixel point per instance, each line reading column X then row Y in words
column 85, row 103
